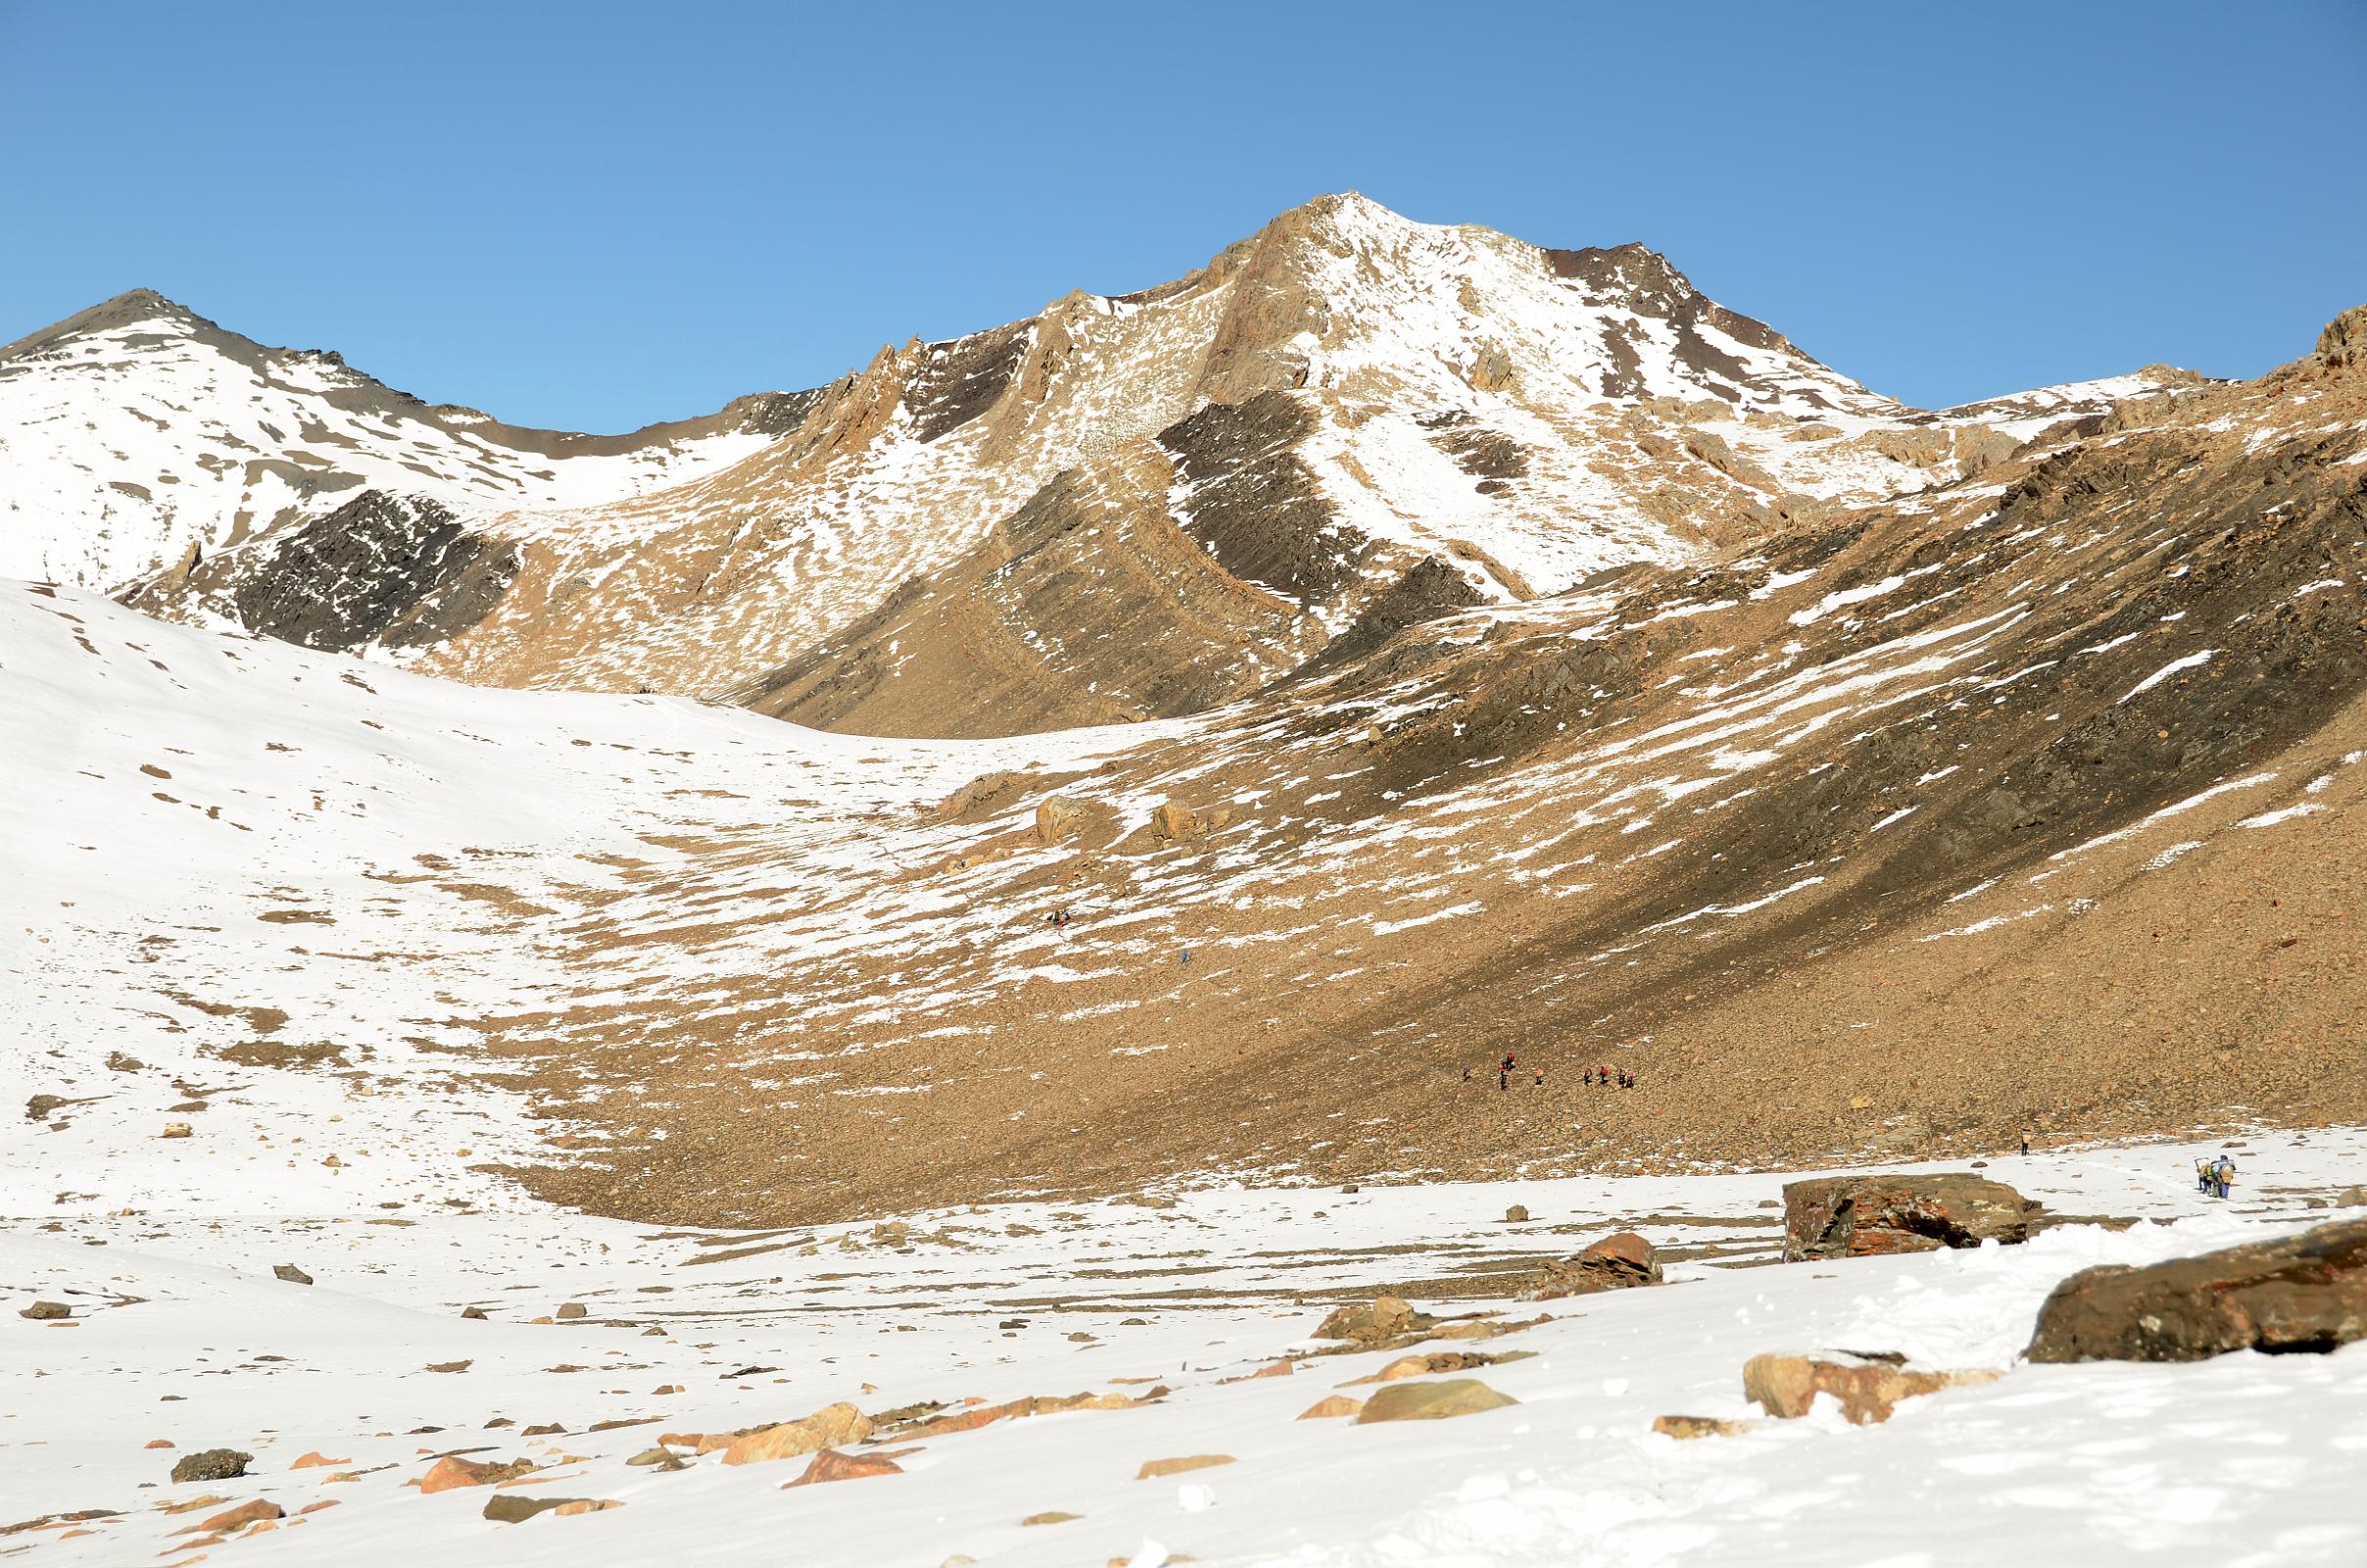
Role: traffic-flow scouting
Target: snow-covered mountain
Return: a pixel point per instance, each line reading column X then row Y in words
column 137, row 429
column 1125, row 506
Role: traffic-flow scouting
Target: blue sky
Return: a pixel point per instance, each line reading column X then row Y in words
column 595, row 215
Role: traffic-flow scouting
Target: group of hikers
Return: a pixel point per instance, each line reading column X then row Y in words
column 2215, row 1175
column 1510, row 1068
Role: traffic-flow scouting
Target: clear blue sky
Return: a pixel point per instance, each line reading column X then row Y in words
column 592, row 215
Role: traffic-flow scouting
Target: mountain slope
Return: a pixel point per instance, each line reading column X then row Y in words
column 1330, row 414
column 2033, row 802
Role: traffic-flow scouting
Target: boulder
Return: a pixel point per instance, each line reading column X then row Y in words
column 570, row 1311
column 1152, row 1469
column 1860, row 1216
column 832, row 1465
column 290, row 1273
column 1518, row 1214
column 2344, row 343
column 39, row 1106
column 1057, row 817
column 452, row 1472
column 211, row 1464
column 473, row 1313
column 1174, row 820
column 2296, row 1293
column 47, row 1312
column 1337, row 1404
column 832, row 1426
column 245, row 1514
column 1431, row 1402
column 1374, row 1322
column 512, row 1508
column 316, row 1460
column 1614, row 1263
column 175, row 1129
column 1698, row 1426
column 1786, row 1386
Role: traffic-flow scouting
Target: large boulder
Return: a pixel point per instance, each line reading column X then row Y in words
column 830, row 1426
column 211, row 1464
column 1381, row 1321
column 1614, row 1263
column 2297, row 1293
column 1860, row 1216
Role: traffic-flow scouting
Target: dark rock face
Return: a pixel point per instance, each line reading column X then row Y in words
column 290, row 1273
column 2305, row 1292
column 1614, row 1263
column 1254, row 506
column 1862, row 1217
column 961, row 380
column 1642, row 280
column 393, row 569
column 1430, row 589
column 211, row 1464
column 1488, row 456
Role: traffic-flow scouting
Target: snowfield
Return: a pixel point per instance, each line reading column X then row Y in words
column 162, row 778
column 181, row 1333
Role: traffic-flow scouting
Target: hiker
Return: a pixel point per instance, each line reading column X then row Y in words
column 1603, row 1076
column 1503, row 1080
column 1186, row 955
column 1467, row 1072
column 2224, row 1173
column 1590, row 1077
column 1540, row 1078
column 1508, row 1063
column 2025, row 1145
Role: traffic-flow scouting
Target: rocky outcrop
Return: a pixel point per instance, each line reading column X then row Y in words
column 1614, row 1263
column 832, row 1465
column 1861, row 1216
column 2305, row 1292
column 827, row 1428
column 1786, row 1386
column 1379, row 1322
column 2344, row 344
column 398, row 571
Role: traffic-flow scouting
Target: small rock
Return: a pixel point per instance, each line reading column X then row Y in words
column 47, row 1312
column 1698, row 1426
column 246, row 1513
column 832, row 1465
column 314, row 1460
column 290, row 1273
column 211, row 1464
column 514, row 1508
column 475, row 1313
column 1518, row 1214
column 1152, row 1469
column 452, row 1366
column 660, row 1459
column 570, row 1311
column 1051, row 1516
column 175, row 1129
column 1432, row 1401
column 1336, row 1405
column 158, row 1442
column 39, row 1106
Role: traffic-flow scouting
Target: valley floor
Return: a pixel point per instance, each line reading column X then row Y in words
column 181, row 1332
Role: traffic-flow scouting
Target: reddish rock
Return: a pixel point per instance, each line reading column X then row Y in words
column 1331, row 1406
column 1786, row 1386
column 246, row 1513
column 453, row 1471
column 2304, row 1292
column 832, row 1465
column 826, row 1428
column 1152, row 1469
column 1614, row 1263
column 315, row 1459
column 1858, row 1216
column 1698, row 1426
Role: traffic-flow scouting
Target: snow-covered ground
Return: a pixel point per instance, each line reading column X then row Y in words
column 2246, row 1459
